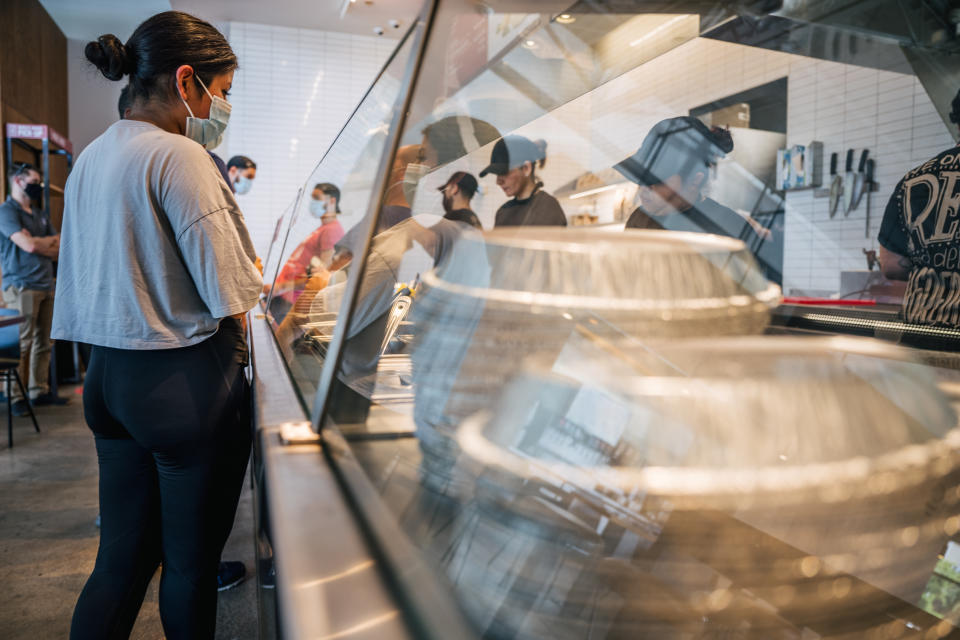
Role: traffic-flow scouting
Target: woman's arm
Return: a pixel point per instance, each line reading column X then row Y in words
column 893, row 265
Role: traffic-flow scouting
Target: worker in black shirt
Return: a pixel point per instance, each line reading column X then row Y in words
column 672, row 168
column 920, row 238
column 514, row 160
column 457, row 193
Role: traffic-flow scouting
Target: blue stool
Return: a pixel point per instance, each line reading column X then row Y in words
column 9, row 363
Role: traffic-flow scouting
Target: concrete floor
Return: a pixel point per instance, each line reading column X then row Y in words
column 48, row 541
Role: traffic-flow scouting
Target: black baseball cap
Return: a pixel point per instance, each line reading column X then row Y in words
column 464, row 180
column 676, row 146
column 511, row 152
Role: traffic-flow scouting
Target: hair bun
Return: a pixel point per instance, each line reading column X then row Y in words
column 541, row 145
column 722, row 138
column 113, row 58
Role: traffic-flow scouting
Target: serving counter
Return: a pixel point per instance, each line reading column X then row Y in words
column 597, row 432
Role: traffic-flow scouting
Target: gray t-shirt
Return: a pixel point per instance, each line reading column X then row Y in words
column 153, row 249
column 22, row 268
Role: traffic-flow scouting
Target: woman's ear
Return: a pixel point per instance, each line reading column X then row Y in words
column 182, row 77
column 527, row 168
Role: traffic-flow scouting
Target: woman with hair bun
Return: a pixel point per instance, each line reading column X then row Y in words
column 514, row 160
column 156, row 271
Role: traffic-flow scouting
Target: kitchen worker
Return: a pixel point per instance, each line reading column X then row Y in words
column 514, row 160
column 672, row 167
column 457, row 192
column 920, row 238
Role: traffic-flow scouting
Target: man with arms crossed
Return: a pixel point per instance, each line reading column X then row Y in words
column 28, row 247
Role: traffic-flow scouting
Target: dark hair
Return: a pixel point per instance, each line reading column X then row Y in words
column 241, row 162
column 124, row 102
column 722, row 139
column 158, row 47
column 18, row 169
column 541, row 145
column 955, row 109
column 538, row 161
column 330, row 190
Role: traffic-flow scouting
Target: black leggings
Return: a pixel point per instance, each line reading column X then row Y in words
column 173, row 437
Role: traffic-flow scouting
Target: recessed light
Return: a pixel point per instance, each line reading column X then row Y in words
column 530, row 44
column 565, row 18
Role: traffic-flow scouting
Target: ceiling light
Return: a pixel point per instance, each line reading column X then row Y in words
column 530, row 44
column 565, row 18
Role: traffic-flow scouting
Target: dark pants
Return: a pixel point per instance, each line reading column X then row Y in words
column 172, row 432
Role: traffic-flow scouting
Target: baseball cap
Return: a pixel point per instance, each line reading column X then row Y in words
column 464, row 180
column 511, row 152
column 676, row 146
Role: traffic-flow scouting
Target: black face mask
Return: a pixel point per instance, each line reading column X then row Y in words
column 34, row 192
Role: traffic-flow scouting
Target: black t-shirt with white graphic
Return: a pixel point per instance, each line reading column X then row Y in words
column 922, row 222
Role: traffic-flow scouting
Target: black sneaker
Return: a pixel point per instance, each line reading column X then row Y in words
column 45, row 399
column 230, row 574
column 20, row 408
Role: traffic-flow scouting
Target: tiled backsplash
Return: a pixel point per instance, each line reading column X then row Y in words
column 847, row 107
column 841, row 105
column 293, row 92
column 295, row 89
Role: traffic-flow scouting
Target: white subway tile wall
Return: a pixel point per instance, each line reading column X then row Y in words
column 848, row 107
column 841, row 105
column 296, row 88
column 292, row 94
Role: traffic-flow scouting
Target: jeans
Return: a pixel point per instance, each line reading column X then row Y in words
column 172, row 431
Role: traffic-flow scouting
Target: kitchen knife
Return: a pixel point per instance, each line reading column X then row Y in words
column 849, row 177
column 836, row 185
column 859, row 180
column 868, row 187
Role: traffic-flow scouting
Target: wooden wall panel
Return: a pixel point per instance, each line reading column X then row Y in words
column 33, row 79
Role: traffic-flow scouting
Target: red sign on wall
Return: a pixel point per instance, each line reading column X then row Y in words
column 38, row 132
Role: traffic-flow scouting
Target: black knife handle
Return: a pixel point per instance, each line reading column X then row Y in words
column 870, row 167
column 833, row 164
column 849, row 160
column 863, row 161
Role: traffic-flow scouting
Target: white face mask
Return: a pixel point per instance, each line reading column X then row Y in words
column 411, row 177
column 208, row 131
column 318, row 208
column 243, row 185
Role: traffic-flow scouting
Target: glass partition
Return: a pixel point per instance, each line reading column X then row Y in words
column 327, row 226
column 271, row 264
column 578, row 368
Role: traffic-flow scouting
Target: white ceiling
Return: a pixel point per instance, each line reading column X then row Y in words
column 92, row 18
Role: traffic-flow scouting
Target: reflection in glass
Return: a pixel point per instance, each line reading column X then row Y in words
column 556, row 373
column 316, row 253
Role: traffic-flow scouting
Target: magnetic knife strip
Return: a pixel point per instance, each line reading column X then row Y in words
column 874, row 324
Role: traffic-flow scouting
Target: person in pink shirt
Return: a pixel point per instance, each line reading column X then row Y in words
column 315, row 253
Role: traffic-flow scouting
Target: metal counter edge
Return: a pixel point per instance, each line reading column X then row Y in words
column 328, row 581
